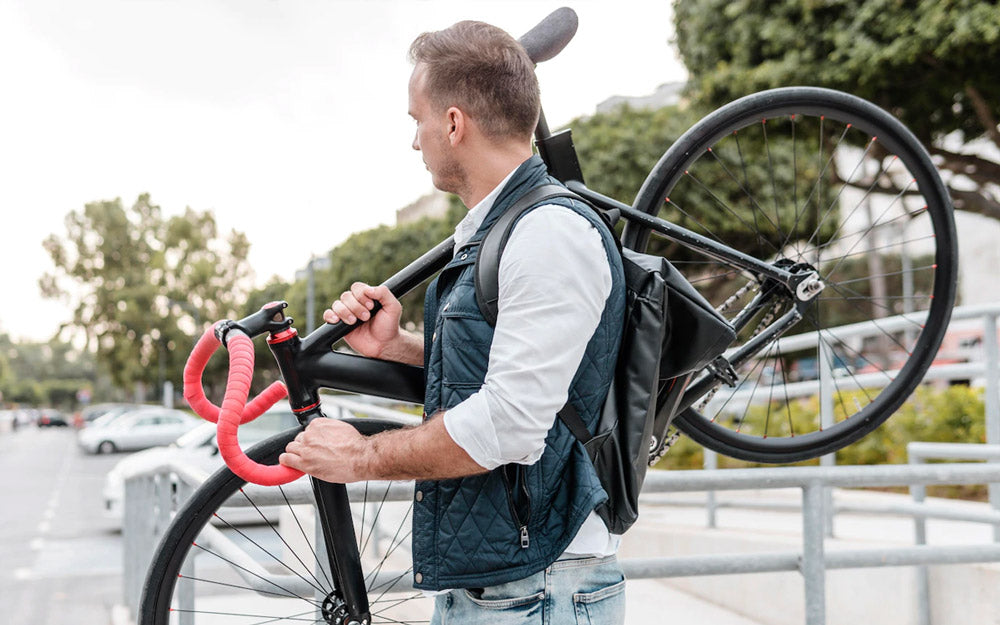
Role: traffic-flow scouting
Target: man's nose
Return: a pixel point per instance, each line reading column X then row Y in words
column 416, row 142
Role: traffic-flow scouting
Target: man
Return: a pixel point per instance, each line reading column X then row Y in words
column 503, row 515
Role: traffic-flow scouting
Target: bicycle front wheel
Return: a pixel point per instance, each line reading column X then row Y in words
column 249, row 554
column 816, row 180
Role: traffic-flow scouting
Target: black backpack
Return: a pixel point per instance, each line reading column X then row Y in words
column 670, row 332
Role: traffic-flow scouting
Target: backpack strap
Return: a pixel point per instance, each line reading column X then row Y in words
column 487, row 275
column 487, row 272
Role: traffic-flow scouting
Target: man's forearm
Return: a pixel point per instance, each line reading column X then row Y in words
column 408, row 348
column 424, row 452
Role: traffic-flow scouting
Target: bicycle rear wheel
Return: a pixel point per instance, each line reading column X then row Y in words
column 248, row 554
column 810, row 179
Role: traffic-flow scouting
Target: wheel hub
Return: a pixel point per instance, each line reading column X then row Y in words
column 335, row 612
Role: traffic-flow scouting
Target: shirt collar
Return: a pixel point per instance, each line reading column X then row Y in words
column 474, row 218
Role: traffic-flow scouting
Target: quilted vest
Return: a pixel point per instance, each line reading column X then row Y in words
column 514, row 521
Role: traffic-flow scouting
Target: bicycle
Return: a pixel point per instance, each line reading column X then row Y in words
column 798, row 266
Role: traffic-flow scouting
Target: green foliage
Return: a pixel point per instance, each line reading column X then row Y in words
column 931, row 63
column 617, row 149
column 146, row 283
column 370, row 256
column 49, row 373
column 952, row 414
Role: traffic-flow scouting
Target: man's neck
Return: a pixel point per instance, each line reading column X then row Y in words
column 490, row 168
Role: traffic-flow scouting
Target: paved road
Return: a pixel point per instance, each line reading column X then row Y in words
column 60, row 559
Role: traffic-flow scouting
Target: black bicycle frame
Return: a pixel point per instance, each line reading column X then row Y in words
column 309, row 364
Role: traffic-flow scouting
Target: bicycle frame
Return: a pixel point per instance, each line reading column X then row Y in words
column 309, row 364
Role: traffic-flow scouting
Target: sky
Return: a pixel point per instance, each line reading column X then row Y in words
column 266, row 112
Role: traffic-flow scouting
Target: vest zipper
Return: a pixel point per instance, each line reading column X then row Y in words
column 521, row 484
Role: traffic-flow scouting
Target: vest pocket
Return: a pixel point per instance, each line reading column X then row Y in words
column 465, row 344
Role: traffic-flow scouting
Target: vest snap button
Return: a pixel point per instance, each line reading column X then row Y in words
column 420, row 495
column 464, row 256
column 434, row 336
column 418, row 578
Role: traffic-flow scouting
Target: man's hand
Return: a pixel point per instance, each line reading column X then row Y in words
column 373, row 338
column 335, row 452
column 329, row 449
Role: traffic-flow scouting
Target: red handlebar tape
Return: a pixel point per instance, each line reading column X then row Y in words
column 235, row 409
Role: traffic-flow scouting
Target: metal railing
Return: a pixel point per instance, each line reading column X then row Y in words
column 812, row 560
column 151, row 499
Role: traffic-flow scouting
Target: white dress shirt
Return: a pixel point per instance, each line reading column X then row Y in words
column 554, row 279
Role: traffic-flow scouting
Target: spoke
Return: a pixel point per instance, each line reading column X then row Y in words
column 378, row 512
column 836, row 199
column 746, row 181
column 841, row 289
column 744, row 186
column 851, row 373
column 882, row 170
column 721, row 203
column 817, row 187
column 861, row 239
column 875, row 249
column 788, row 402
column 753, row 369
column 271, row 555
column 694, row 219
column 774, row 185
column 819, row 352
column 716, row 276
column 264, row 579
column 770, row 394
column 847, row 346
column 865, row 231
column 322, row 569
column 243, row 615
column 282, row 618
column 364, row 508
column 238, row 587
column 283, row 541
column 913, row 270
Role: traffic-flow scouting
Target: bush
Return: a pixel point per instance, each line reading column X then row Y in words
column 955, row 414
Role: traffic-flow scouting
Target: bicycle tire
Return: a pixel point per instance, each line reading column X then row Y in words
column 727, row 163
column 219, row 586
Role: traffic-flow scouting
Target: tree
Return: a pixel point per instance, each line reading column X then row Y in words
column 143, row 282
column 931, row 63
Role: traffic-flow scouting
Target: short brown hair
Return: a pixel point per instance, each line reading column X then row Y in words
column 485, row 72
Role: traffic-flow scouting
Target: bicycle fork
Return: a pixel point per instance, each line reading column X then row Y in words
column 348, row 603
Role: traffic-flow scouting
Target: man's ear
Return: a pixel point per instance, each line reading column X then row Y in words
column 457, row 124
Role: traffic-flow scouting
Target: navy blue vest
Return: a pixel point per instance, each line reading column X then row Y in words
column 514, row 521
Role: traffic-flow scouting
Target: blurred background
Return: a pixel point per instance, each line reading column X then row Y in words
column 167, row 164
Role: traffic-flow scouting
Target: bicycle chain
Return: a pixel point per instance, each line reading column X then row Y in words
column 721, row 309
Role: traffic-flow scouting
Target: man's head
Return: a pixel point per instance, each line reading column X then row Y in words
column 485, row 72
column 475, row 98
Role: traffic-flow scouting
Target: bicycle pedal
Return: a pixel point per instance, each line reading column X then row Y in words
column 723, row 370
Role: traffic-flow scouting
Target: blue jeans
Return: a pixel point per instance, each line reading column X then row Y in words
column 582, row 591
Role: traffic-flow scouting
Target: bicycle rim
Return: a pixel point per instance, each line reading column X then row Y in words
column 810, row 179
column 246, row 554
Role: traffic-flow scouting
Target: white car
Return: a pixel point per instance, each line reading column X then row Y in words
column 137, row 429
column 196, row 450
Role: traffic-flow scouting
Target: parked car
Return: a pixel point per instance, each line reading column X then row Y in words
column 136, row 429
column 91, row 413
column 50, row 417
column 197, row 450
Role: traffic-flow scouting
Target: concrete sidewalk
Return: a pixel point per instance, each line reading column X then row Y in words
column 886, row 595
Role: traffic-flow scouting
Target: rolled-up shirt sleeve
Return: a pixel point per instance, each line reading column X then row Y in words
column 554, row 279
